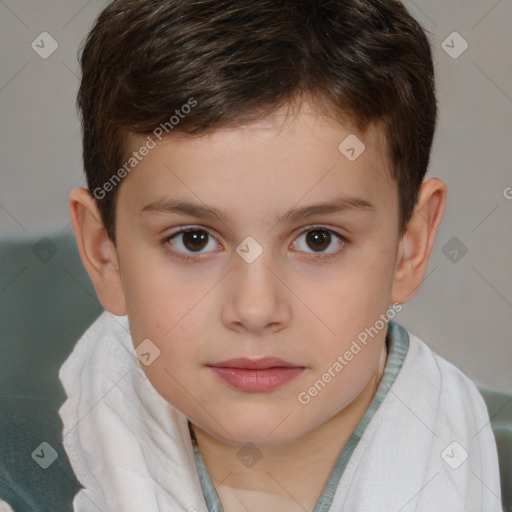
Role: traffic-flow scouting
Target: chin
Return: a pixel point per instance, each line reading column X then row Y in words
column 265, row 432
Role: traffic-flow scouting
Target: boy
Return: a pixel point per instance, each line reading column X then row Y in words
column 256, row 215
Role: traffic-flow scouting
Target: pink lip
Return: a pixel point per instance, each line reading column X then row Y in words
column 254, row 364
column 256, row 375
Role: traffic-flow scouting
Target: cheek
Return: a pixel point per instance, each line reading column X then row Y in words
column 352, row 306
column 356, row 296
column 176, row 370
column 156, row 297
column 374, row 272
column 165, row 308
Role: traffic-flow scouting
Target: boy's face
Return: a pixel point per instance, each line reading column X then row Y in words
column 304, row 299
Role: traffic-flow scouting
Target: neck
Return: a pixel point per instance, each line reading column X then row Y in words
column 292, row 475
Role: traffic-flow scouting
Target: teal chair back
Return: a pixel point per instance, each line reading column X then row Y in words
column 47, row 301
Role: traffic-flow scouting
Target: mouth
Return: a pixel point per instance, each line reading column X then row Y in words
column 256, row 375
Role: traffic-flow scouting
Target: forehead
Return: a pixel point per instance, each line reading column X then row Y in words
column 282, row 160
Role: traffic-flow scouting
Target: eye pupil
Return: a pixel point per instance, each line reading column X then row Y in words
column 319, row 236
column 195, row 240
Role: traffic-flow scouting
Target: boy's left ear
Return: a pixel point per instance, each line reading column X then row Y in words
column 418, row 240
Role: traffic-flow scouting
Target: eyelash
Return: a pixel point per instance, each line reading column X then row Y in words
column 320, row 256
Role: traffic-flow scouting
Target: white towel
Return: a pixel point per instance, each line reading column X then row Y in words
column 429, row 447
column 129, row 448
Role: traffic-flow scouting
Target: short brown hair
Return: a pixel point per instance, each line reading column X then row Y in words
column 364, row 61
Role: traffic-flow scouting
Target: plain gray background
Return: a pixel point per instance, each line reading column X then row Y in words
column 464, row 307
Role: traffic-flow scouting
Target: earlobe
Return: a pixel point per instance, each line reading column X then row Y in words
column 418, row 240
column 99, row 256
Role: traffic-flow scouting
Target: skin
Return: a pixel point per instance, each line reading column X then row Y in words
column 288, row 303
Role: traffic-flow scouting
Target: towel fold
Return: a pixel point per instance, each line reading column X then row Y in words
column 128, row 446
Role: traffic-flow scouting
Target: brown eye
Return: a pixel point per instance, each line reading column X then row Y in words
column 318, row 240
column 187, row 242
column 195, row 240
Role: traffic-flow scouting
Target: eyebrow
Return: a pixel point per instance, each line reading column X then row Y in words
column 182, row 207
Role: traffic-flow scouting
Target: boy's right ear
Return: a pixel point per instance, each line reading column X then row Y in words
column 99, row 256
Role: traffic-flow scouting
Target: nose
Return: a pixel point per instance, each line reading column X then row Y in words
column 256, row 299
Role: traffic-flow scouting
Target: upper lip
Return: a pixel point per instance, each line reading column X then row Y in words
column 254, row 364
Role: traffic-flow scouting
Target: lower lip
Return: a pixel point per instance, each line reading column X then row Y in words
column 257, row 380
